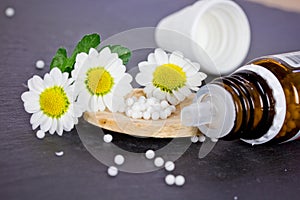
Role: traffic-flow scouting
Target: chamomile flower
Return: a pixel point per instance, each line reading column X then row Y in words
column 101, row 81
column 50, row 101
column 169, row 76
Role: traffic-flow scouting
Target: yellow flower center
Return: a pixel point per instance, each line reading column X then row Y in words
column 99, row 81
column 169, row 77
column 54, row 102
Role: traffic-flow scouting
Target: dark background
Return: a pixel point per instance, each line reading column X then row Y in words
column 29, row 168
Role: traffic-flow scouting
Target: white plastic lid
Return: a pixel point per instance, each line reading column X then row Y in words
column 218, row 30
column 213, row 111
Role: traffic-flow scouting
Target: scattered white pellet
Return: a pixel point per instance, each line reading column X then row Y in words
column 40, row 64
column 170, row 179
column 194, row 139
column 202, row 138
column 119, row 159
column 150, row 154
column 112, row 171
column 169, row 166
column 235, row 198
column 9, row 12
column 179, row 180
column 214, row 139
column 155, row 116
column 168, row 111
column 107, row 138
column 59, row 153
column 159, row 162
column 40, row 134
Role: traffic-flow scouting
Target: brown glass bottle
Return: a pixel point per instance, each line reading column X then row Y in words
column 265, row 98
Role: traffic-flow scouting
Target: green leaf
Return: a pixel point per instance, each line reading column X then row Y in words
column 60, row 59
column 84, row 45
column 66, row 64
column 123, row 52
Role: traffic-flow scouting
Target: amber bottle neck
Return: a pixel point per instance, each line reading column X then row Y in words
column 254, row 104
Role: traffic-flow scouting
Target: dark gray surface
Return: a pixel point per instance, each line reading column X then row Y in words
column 30, row 170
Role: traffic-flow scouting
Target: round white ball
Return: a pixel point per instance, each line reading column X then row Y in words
column 119, row 159
column 163, row 115
column 164, row 104
column 214, row 139
column 39, row 64
column 9, row 12
column 155, row 115
column 159, row 162
column 112, row 171
column 169, row 166
column 40, row 134
column 179, row 180
column 202, row 138
column 150, row 154
column 107, row 138
column 170, row 179
column 146, row 115
column 194, row 139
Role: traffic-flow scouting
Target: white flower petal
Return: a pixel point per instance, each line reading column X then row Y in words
column 178, row 95
column 59, row 129
column 185, row 91
column 46, row 125
column 93, row 52
column 53, row 126
column 68, row 123
column 56, row 75
column 108, row 101
column 31, row 107
column 35, row 117
column 161, row 56
column 36, row 84
column 177, row 59
column 100, row 104
column 48, row 81
column 191, row 68
column 151, row 59
column 196, row 79
column 143, row 79
column 147, row 67
column 172, row 99
column 148, row 90
column 29, row 96
column 157, row 93
column 194, row 88
column 93, row 104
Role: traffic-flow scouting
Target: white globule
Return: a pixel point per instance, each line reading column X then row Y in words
column 148, row 108
column 107, row 138
column 112, row 171
column 170, row 179
column 159, row 162
column 194, row 139
column 39, row 64
column 202, row 138
column 119, row 159
column 9, row 12
column 179, row 180
column 150, row 154
column 169, row 166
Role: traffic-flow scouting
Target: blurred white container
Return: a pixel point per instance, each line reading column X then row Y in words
column 215, row 33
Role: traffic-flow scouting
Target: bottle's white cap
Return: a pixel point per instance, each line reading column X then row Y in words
column 216, row 33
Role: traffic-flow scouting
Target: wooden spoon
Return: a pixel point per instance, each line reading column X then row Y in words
column 119, row 122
